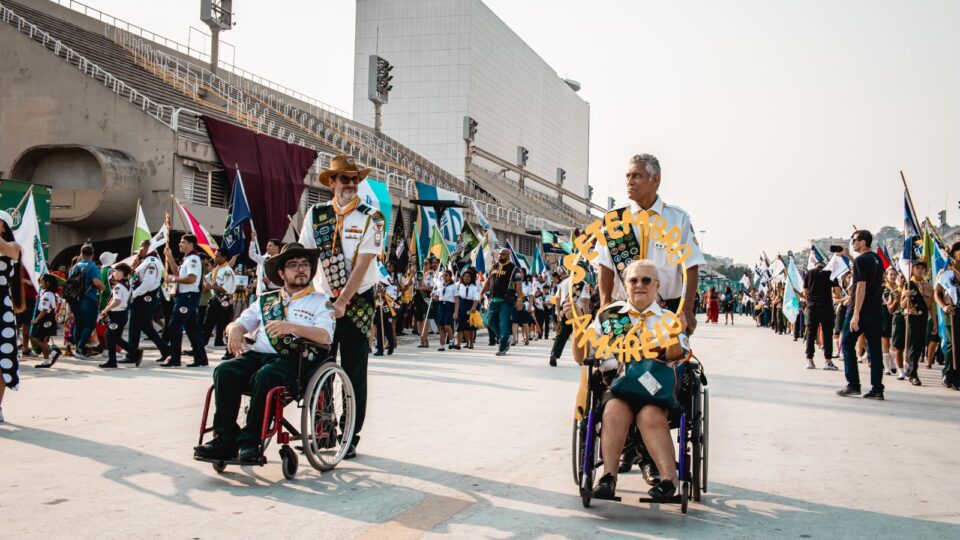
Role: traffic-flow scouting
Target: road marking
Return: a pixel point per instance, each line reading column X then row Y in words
column 419, row 519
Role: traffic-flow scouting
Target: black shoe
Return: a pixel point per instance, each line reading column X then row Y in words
column 249, row 454
column 108, row 365
column 163, row 358
column 351, row 452
column 378, row 353
column 188, row 352
column 228, row 356
column 627, row 459
column 197, row 364
column 127, row 360
column 389, row 351
column 663, row 491
column 553, row 361
column 501, row 353
column 217, row 449
column 650, row 473
column 848, row 391
column 875, row 394
column 170, row 363
column 606, row 487
column 54, row 357
column 914, row 381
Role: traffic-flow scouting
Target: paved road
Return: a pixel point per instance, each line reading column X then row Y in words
column 468, row 445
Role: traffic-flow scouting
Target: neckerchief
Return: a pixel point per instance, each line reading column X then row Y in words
column 273, row 307
column 341, row 214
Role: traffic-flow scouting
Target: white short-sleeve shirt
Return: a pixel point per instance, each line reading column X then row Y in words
column 121, row 292
column 653, row 313
column 671, row 276
column 468, row 292
column 448, row 293
column 312, row 309
column 191, row 266
column 361, row 235
column 48, row 302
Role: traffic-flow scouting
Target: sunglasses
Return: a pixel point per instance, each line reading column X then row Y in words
column 645, row 280
column 347, row 180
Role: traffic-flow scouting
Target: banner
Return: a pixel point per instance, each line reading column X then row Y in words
column 193, row 226
column 399, row 252
column 376, row 194
column 467, row 242
column 551, row 243
column 141, row 231
column 449, row 225
column 238, row 213
column 31, row 248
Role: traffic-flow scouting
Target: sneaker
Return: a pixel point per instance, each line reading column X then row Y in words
column 663, row 491
column 830, row 366
column 810, row 364
column 606, row 487
column 848, row 391
column 441, row 349
column 501, row 353
column 915, row 381
column 902, row 376
column 80, row 355
column 874, row 394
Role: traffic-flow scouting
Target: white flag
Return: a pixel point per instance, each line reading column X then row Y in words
column 158, row 239
column 31, row 248
column 745, row 281
column 837, row 266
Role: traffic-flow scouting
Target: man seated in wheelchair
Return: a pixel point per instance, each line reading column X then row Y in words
column 278, row 317
column 641, row 391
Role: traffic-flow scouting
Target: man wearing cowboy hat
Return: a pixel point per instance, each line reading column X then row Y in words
column 349, row 236
column 278, row 317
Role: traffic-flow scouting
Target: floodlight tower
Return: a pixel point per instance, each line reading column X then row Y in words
column 218, row 15
column 378, row 86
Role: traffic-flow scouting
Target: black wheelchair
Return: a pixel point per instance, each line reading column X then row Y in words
column 325, row 397
column 691, row 421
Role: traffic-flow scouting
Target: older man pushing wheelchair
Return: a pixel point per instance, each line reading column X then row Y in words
column 622, row 408
column 278, row 317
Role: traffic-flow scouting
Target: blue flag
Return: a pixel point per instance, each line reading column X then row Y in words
column 513, row 254
column 940, row 263
column 238, row 214
column 538, row 265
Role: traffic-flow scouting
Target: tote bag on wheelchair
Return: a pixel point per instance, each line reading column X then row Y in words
column 648, row 382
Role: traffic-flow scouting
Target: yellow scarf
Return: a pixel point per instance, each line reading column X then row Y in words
column 341, row 214
column 297, row 296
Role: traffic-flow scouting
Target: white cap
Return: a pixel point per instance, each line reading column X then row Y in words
column 107, row 258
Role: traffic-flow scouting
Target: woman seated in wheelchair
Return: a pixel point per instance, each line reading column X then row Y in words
column 279, row 318
column 619, row 413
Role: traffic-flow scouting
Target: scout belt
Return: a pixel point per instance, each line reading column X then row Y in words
column 332, row 261
column 360, row 311
column 272, row 309
column 623, row 250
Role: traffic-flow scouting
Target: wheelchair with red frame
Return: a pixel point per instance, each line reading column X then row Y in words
column 323, row 393
column 691, row 420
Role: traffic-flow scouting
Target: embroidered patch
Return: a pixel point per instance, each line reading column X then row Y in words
column 184, row 310
column 113, row 326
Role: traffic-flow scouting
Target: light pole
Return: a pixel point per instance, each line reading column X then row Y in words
column 703, row 241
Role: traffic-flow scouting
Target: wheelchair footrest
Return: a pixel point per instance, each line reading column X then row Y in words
column 614, row 498
column 261, row 461
column 673, row 500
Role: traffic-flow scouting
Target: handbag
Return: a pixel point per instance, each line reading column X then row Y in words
column 648, row 382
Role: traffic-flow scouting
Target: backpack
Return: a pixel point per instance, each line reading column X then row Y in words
column 74, row 289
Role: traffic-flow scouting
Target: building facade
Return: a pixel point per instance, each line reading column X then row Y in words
column 456, row 58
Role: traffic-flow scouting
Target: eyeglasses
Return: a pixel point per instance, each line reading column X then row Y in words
column 645, row 280
column 346, row 180
column 297, row 266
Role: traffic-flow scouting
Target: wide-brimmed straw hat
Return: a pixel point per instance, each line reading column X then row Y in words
column 340, row 164
column 292, row 250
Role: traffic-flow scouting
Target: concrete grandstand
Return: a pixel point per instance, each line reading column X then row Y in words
column 107, row 113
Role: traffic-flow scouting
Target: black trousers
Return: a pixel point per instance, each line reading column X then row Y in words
column 354, row 349
column 116, row 322
column 916, row 342
column 217, row 318
column 383, row 326
column 821, row 318
column 141, row 321
column 560, row 341
column 253, row 372
column 184, row 318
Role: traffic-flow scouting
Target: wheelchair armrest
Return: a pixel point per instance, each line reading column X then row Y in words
column 312, row 351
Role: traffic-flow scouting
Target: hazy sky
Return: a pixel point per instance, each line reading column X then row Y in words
column 775, row 122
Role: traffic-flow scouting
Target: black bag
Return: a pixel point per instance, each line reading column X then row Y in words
column 73, row 289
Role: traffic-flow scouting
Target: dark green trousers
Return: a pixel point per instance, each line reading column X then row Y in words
column 354, row 348
column 252, row 372
column 951, row 365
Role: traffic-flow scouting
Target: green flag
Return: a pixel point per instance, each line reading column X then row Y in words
column 928, row 246
column 438, row 248
column 141, row 231
column 467, row 242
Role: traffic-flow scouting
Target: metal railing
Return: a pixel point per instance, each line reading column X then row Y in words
column 163, row 113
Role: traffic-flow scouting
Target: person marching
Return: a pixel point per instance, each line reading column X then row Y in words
column 506, row 295
column 273, row 248
column 349, row 235
column 116, row 314
column 948, row 283
column 296, row 310
column 447, row 296
column 11, row 303
column 185, row 303
column 223, row 283
column 916, row 304
column 146, row 297
column 467, row 296
column 44, row 325
column 384, row 318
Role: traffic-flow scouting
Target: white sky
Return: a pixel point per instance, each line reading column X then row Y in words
column 775, row 122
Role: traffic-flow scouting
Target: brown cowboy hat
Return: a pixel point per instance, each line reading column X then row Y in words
column 341, row 164
column 292, row 250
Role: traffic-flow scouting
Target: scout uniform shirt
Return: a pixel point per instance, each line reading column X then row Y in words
column 949, row 281
column 671, row 276
column 361, row 234
column 121, row 292
column 307, row 307
column 147, row 277
column 191, row 266
column 620, row 311
column 261, row 260
column 224, row 277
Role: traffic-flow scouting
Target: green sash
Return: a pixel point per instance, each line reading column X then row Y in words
column 272, row 309
column 360, row 311
column 623, row 250
column 332, row 262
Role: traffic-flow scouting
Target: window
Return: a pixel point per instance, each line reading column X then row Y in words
column 206, row 188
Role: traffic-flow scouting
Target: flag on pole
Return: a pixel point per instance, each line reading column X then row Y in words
column 884, row 257
column 816, row 257
column 438, row 247
column 376, row 194
column 467, row 242
column 837, row 266
column 524, row 263
column 238, row 213
column 745, row 281
column 141, row 231
column 538, row 266
column 485, row 227
column 776, row 267
column 940, row 263
column 550, row 243
column 513, row 253
column 793, row 275
column 928, row 247
column 479, row 258
column 159, row 239
column 204, row 239
column 31, row 248
column 399, row 251
column 791, row 303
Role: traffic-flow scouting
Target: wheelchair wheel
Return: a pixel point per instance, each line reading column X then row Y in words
column 288, row 460
column 219, row 466
column 706, row 439
column 328, row 416
column 590, row 453
column 577, row 458
column 696, row 440
column 684, row 496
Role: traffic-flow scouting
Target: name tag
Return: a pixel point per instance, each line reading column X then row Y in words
column 650, row 383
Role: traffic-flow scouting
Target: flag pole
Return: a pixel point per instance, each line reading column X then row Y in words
column 23, row 201
column 136, row 221
column 296, row 235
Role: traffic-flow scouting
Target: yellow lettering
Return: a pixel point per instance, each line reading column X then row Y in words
column 679, row 254
column 613, row 226
column 577, row 273
column 673, row 236
column 648, row 343
column 580, row 323
column 631, row 348
column 590, row 339
column 658, row 225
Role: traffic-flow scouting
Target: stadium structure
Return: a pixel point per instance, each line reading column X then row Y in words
column 108, row 113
